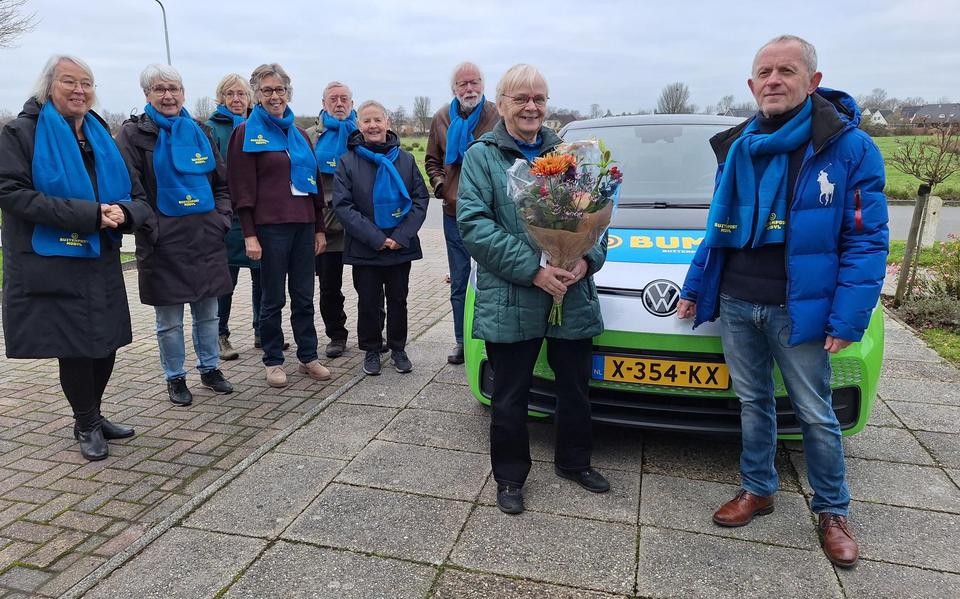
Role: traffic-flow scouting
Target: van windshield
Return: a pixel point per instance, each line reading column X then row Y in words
column 660, row 163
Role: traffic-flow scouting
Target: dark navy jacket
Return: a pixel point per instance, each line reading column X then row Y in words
column 837, row 238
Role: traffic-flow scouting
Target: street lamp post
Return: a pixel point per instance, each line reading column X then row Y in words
column 166, row 36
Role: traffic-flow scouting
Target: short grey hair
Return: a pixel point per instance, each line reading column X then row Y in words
column 266, row 70
column 229, row 81
column 44, row 85
column 808, row 51
column 460, row 67
column 158, row 72
column 334, row 84
column 520, row 75
column 373, row 104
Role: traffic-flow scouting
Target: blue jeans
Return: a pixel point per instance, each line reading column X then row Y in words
column 287, row 258
column 225, row 302
column 170, row 337
column 459, row 262
column 754, row 336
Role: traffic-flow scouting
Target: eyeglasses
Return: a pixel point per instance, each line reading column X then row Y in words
column 161, row 91
column 540, row 101
column 233, row 94
column 341, row 99
column 470, row 83
column 71, row 84
column 269, row 91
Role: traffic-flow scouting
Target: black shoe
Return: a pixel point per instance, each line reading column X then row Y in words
column 214, row 380
column 509, row 499
column 335, row 348
column 400, row 361
column 457, row 356
column 258, row 345
column 371, row 363
column 179, row 394
column 110, row 430
column 589, row 479
column 92, row 444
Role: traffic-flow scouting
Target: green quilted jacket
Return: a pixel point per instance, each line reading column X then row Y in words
column 509, row 307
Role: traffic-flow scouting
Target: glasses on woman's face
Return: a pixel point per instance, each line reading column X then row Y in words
column 233, row 94
column 71, row 84
column 266, row 92
column 522, row 100
column 162, row 90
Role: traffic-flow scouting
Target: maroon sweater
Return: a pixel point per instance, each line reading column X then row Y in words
column 260, row 188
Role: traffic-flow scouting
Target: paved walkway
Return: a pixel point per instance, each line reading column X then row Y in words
column 380, row 487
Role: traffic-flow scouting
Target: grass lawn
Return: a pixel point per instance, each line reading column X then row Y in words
column 419, row 153
column 904, row 186
column 928, row 256
column 944, row 342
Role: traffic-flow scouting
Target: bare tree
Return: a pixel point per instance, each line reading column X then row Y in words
column 943, row 100
column 398, row 119
column 673, row 99
column 12, row 23
column 5, row 116
column 930, row 161
column 114, row 120
column 595, row 112
column 421, row 113
column 203, row 108
column 725, row 104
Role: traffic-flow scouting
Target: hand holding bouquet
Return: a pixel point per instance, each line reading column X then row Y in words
column 566, row 199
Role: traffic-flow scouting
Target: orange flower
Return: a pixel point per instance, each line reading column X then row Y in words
column 552, row 164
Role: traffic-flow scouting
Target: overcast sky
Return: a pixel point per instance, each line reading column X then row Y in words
column 616, row 54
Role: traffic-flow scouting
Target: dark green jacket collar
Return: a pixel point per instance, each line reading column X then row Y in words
column 499, row 137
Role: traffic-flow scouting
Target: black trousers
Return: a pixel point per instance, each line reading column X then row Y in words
column 512, row 378
column 330, row 276
column 83, row 381
column 373, row 285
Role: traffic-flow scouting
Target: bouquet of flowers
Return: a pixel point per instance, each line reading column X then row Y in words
column 566, row 199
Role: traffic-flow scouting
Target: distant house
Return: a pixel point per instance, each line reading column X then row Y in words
column 866, row 112
column 908, row 112
column 743, row 113
column 552, row 124
column 936, row 114
column 879, row 118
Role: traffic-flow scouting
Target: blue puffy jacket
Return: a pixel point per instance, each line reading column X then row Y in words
column 836, row 239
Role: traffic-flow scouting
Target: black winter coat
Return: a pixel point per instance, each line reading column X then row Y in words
column 53, row 306
column 353, row 203
column 188, row 261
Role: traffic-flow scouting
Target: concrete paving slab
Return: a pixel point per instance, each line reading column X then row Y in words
column 390, row 389
column 912, row 350
column 906, row 485
column 295, row 571
column 705, row 458
column 340, row 431
column 682, row 564
column 689, row 505
column 880, row 415
column 928, row 417
column 267, row 496
column 453, row 374
column 457, row 584
column 549, row 548
column 906, row 536
column 945, row 447
column 892, row 581
column 617, row 448
column 448, row 397
column 181, row 563
column 387, row 523
column 890, row 444
column 895, row 389
column 954, row 475
column 911, row 369
column 440, row 429
column 544, row 491
column 424, row 470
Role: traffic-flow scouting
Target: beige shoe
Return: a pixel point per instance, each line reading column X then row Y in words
column 276, row 377
column 315, row 370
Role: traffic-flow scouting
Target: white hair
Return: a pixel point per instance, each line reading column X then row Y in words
column 460, row 67
column 158, row 72
column 520, row 75
column 373, row 104
column 334, row 84
column 41, row 89
column 807, row 50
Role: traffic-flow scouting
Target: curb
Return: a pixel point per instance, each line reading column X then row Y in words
column 107, row 568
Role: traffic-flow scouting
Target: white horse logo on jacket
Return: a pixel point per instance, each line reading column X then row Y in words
column 826, row 189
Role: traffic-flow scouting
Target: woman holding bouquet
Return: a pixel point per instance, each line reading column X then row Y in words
column 516, row 292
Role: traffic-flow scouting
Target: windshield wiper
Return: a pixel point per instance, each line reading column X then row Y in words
column 660, row 205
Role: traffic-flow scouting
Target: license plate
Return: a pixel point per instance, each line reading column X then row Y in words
column 656, row 371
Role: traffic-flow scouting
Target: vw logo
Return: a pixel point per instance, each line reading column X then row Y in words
column 660, row 297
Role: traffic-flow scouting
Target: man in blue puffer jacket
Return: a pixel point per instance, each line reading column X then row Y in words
column 792, row 264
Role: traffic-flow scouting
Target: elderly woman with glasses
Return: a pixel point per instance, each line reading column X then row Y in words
column 273, row 184
column 65, row 197
column 515, row 292
column 176, row 161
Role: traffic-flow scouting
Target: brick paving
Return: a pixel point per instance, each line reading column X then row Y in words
column 61, row 517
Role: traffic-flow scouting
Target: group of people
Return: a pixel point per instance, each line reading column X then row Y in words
column 293, row 203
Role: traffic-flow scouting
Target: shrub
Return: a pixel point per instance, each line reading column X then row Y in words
column 416, row 144
column 408, row 147
column 932, row 312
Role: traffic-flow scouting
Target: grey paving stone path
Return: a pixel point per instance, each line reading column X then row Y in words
column 380, row 487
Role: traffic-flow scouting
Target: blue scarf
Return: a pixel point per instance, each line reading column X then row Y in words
column 332, row 144
column 182, row 157
column 237, row 118
column 391, row 200
column 530, row 151
column 267, row 133
column 460, row 131
column 58, row 171
column 750, row 202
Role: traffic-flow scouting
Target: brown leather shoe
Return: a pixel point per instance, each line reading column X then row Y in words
column 838, row 543
column 740, row 510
